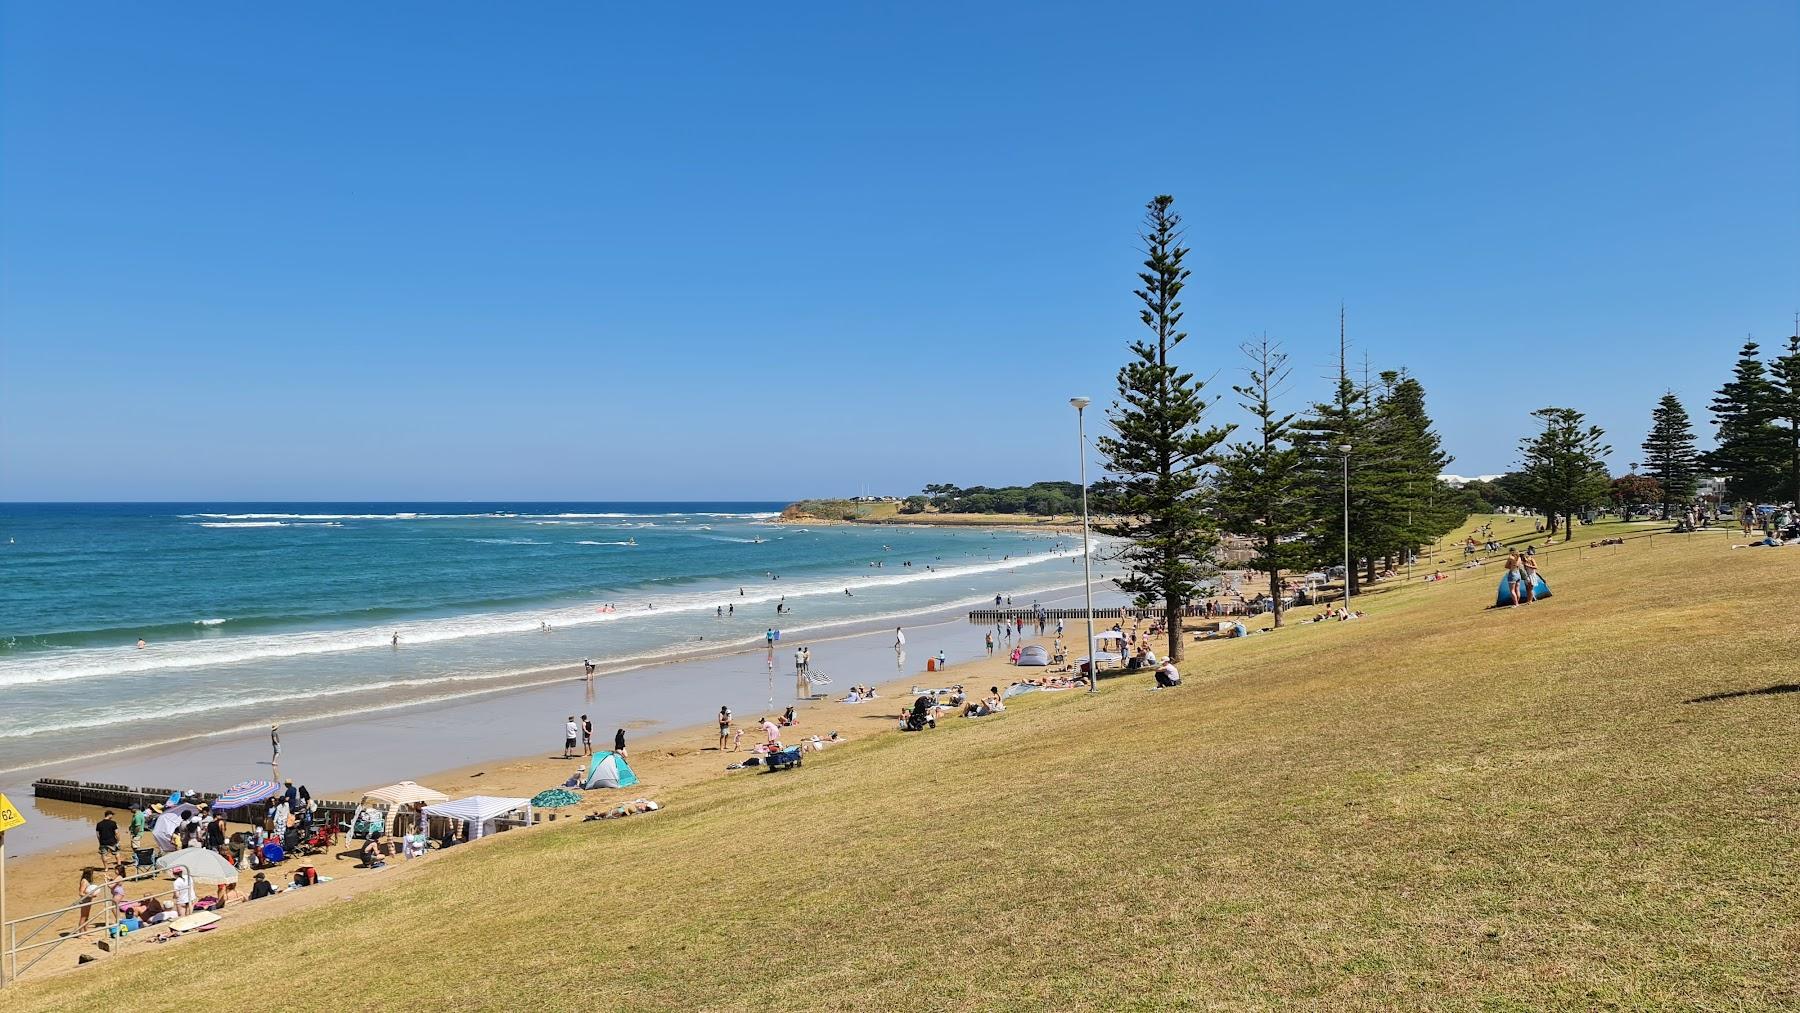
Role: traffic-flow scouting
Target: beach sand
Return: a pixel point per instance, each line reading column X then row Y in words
column 665, row 761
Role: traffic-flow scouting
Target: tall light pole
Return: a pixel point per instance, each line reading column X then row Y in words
column 1087, row 572
column 1344, row 449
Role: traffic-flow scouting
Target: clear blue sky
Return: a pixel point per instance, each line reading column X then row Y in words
column 443, row 250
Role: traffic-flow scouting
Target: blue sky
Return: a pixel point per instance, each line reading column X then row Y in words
column 445, row 251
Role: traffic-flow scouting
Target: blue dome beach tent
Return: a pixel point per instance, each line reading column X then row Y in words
column 608, row 770
column 1504, row 596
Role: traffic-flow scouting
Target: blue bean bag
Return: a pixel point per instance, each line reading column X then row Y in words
column 1504, row 595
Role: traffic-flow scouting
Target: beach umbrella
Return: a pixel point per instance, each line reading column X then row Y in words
column 555, row 798
column 203, row 865
column 246, row 793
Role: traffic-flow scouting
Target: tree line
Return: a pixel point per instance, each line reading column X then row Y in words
column 1174, row 483
column 1756, row 453
column 1043, row 499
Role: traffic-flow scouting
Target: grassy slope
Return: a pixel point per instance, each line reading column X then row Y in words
column 1441, row 806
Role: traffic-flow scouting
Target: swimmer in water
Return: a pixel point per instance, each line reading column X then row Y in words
column 141, row 644
column 396, row 640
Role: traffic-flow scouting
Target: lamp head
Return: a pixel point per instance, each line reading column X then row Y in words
column 1343, row 448
column 1080, row 402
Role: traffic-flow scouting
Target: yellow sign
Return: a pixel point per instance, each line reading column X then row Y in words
column 9, row 815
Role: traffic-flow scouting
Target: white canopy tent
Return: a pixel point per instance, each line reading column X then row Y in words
column 406, row 793
column 481, row 813
column 389, row 800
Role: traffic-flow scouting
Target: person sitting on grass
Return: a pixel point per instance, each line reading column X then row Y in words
column 1167, row 675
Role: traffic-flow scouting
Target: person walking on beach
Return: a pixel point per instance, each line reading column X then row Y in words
column 587, row 736
column 619, row 743
column 571, row 732
column 990, row 645
column 899, row 638
column 107, row 833
column 724, row 727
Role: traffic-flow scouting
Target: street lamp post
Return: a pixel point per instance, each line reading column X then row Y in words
column 1344, row 449
column 1087, row 573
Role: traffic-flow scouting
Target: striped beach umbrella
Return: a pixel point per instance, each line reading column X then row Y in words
column 246, row 793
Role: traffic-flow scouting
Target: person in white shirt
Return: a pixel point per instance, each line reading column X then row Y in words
column 1167, row 675
column 571, row 733
column 184, row 892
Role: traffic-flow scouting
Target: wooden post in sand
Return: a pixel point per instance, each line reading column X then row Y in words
column 5, row 936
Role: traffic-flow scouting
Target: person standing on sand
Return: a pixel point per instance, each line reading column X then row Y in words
column 571, row 732
column 88, row 891
column 724, row 726
column 990, row 645
column 183, row 890
column 619, row 743
column 587, row 736
column 899, row 638
column 107, row 833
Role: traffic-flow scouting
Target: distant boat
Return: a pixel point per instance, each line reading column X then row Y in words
column 630, row 541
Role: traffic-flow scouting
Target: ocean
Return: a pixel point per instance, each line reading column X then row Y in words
column 252, row 614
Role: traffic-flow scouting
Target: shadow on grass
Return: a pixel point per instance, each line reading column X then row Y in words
column 1775, row 690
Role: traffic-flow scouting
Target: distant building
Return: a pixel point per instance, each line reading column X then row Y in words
column 1458, row 481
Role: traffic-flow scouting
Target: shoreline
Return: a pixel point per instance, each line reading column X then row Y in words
column 211, row 760
column 459, row 687
column 671, row 758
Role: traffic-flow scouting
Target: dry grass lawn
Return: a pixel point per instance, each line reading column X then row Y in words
column 1443, row 806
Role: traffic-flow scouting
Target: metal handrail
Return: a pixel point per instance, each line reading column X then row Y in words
column 109, row 918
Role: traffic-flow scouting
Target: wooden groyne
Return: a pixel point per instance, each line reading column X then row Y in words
column 122, row 797
column 992, row 617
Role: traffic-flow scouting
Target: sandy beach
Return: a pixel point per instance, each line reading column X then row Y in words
column 672, row 743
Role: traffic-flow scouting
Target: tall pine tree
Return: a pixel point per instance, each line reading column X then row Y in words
column 1564, row 466
column 1414, row 458
column 1748, row 449
column 1669, row 455
column 1159, row 450
column 1785, row 373
column 1261, row 490
column 1344, row 421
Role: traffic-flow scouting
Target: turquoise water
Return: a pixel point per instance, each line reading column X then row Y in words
column 276, row 612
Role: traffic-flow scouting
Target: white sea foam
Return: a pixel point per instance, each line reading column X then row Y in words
column 415, row 516
column 211, row 622
column 88, row 663
column 243, row 524
column 588, row 542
